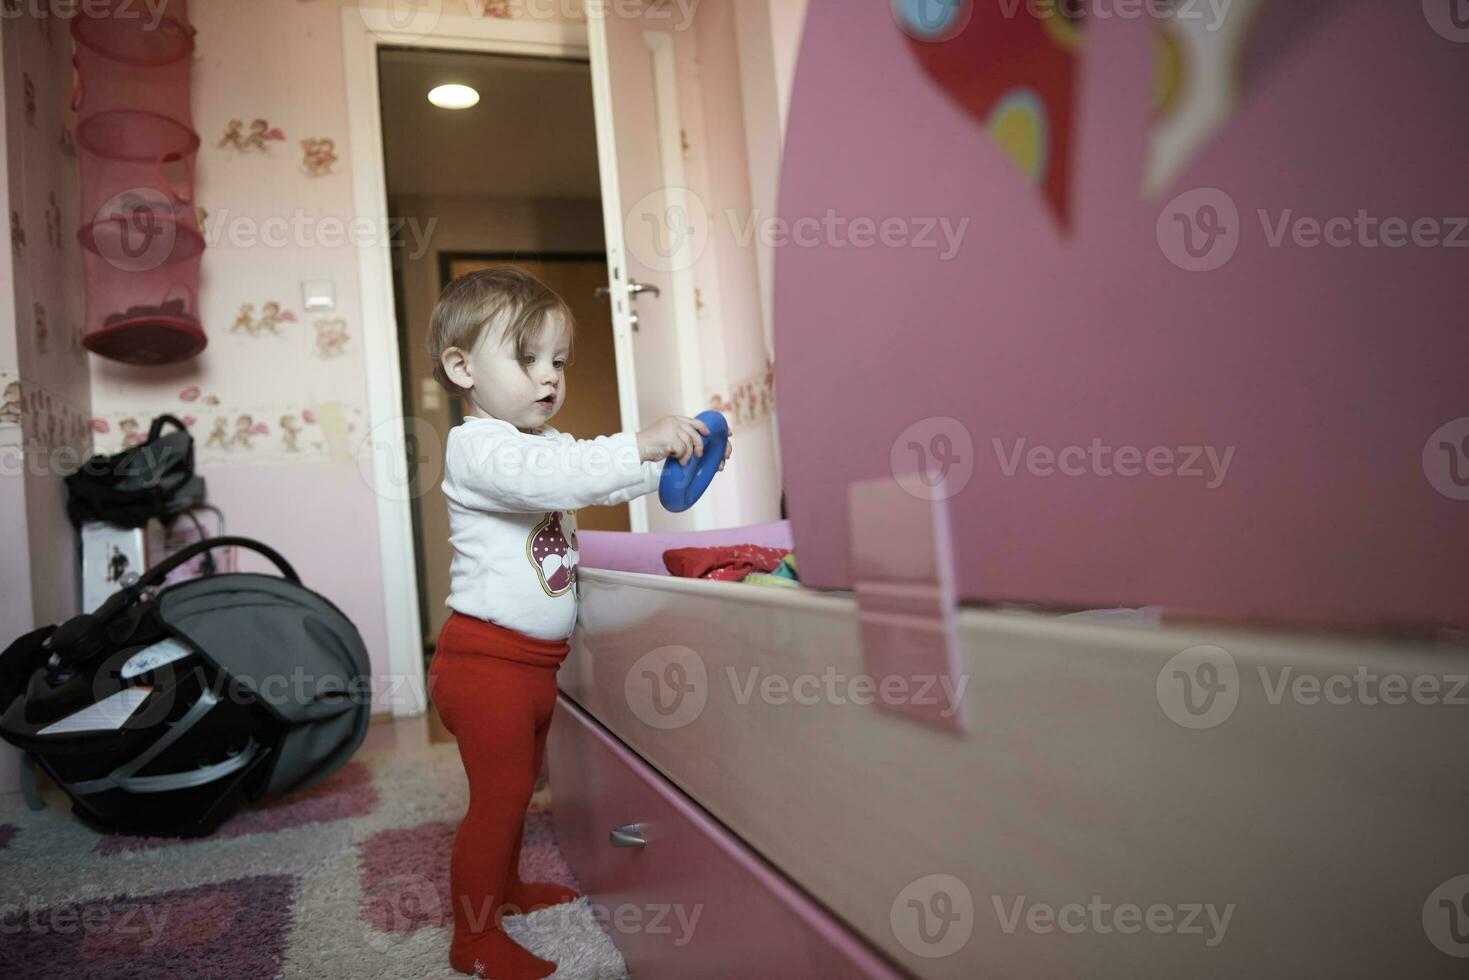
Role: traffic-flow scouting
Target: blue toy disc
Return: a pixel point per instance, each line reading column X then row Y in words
column 682, row 486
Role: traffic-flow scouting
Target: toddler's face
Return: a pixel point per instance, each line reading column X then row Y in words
column 522, row 388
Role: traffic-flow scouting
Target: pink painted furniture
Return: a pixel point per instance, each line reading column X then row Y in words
column 1326, row 370
column 691, row 901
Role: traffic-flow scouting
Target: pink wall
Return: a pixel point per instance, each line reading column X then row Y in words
column 277, row 406
column 321, row 518
column 711, row 67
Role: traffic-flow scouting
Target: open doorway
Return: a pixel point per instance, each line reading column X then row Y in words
column 510, row 180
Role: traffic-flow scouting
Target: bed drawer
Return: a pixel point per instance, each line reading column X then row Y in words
column 692, row 901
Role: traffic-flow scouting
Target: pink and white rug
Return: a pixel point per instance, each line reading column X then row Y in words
column 350, row 879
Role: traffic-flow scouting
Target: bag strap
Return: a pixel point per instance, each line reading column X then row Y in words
column 156, row 429
column 86, row 635
column 18, row 661
column 159, row 572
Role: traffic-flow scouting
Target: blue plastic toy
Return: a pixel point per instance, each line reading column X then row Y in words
column 682, row 486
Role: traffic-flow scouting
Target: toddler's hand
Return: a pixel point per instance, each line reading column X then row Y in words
column 673, row 435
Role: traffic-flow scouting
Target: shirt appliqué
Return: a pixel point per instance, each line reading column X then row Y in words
column 553, row 555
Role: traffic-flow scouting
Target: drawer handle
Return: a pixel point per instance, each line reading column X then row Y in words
column 629, row 836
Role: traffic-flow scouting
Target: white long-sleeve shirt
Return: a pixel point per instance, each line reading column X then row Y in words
column 512, row 522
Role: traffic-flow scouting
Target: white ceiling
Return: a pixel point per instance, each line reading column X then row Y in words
column 531, row 135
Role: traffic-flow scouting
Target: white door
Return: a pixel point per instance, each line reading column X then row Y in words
column 655, row 232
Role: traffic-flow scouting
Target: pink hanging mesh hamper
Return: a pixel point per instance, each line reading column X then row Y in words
column 126, row 31
column 136, row 147
column 143, row 317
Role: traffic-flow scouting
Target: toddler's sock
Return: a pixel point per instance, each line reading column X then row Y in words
column 495, row 956
column 532, row 896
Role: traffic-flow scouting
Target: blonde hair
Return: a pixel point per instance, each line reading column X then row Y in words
column 505, row 298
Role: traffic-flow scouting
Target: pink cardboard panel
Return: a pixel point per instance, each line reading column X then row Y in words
column 902, row 560
column 1165, row 399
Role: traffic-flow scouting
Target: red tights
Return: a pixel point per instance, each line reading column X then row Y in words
column 495, row 690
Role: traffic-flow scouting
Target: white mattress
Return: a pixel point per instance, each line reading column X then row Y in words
column 1322, row 829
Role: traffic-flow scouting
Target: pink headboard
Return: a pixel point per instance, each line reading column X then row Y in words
column 1329, row 378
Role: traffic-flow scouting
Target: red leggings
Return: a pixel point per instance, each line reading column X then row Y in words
column 495, row 690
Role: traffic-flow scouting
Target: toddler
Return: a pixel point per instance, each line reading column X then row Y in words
column 502, row 340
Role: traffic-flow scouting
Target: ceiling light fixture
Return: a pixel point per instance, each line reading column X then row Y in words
column 453, row 96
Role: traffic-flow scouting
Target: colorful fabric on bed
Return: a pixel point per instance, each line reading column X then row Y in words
column 725, row 564
column 784, row 576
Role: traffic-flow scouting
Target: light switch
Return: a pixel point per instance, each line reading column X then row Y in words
column 430, row 395
column 318, row 295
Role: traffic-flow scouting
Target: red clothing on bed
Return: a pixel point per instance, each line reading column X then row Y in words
column 727, row 564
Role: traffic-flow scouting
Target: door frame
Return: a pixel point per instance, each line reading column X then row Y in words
column 364, row 31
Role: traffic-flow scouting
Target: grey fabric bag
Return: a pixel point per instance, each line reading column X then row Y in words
column 233, row 687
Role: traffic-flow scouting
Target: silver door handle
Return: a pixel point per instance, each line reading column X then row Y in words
column 629, row 836
column 634, row 288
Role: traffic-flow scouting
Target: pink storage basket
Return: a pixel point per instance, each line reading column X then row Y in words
column 138, row 214
column 128, row 34
column 137, row 148
column 129, row 111
column 144, row 316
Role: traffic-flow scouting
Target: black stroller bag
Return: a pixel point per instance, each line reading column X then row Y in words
column 166, row 708
column 154, row 479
